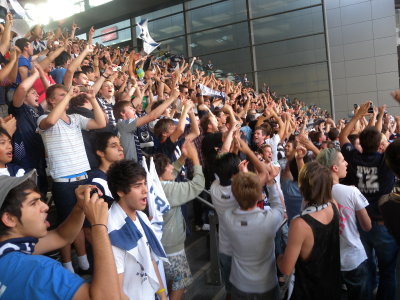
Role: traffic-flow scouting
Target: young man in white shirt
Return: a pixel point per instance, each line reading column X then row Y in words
column 134, row 244
column 351, row 203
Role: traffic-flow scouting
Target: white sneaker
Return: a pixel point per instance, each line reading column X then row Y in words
column 205, row 227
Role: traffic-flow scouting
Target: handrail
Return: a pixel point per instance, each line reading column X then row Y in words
column 205, row 202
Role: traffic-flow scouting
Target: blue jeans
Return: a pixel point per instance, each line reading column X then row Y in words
column 225, row 263
column 64, row 197
column 356, row 282
column 379, row 241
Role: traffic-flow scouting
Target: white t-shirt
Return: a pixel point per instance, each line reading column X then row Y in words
column 223, row 200
column 137, row 283
column 350, row 200
column 4, row 171
column 273, row 142
column 65, row 150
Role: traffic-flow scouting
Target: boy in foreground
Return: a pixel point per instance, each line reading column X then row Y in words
column 23, row 232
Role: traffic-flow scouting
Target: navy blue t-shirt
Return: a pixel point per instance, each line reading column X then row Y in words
column 28, row 148
column 369, row 173
column 99, row 179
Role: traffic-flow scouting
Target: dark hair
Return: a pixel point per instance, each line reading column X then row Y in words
column 77, row 101
column 392, row 157
column 4, row 132
column 22, row 43
column 161, row 161
column 204, row 122
column 226, row 165
column 370, row 139
column 263, row 130
column 87, row 69
column 13, row 202
column 101, row 141
column 77, row 74
column 62, row 59
column 122, row 174
column 333, row 134
column 156, row 104
column 352, row 138
column 315, row 183
column 162, row 127
column 119, row 108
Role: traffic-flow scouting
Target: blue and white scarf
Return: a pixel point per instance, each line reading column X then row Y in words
column 25, row 245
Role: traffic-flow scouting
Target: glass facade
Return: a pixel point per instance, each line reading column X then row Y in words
column 279, row 42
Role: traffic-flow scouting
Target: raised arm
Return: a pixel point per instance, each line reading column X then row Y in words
column 180, row 128
column 6, row 36
column 361, row 112
column 54, row 54
column 154, row 114
column 73, row 66
column 104, row 284
column 99, row 120
column 381, row 112
column 23, row 88
column 57, row 111
column 10, row 70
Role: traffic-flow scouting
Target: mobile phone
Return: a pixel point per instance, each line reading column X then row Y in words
column 355, row 106
column 93, row 191
column 371, row 109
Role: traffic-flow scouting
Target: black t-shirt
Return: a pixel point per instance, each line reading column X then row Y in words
column 369, row 173
column 210, row 146
column 28, row 148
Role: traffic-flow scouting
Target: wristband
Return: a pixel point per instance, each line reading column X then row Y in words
column 100, row 225
column 106, row 77
column 160, row 291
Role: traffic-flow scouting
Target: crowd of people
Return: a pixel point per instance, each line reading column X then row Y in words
column 303, row 200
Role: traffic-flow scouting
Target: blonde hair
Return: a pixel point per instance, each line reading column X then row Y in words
column 247, row 189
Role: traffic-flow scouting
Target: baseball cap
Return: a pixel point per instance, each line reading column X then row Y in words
column 7, row 183
column 326, row 157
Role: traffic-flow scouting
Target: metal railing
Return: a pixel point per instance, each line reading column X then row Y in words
column 214, row 274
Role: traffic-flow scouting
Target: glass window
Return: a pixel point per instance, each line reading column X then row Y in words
column 289, row 25
column 216, row 15
column 113, row 38
column 197, row 3
column 321, row 99
column 112, row 27
column 261, row 8
column 165, row 28
column 175, row 45
column 161, row 13
column 82, row 36
column 235, row 61
column 292, row 52
column 219, row 39
column 94, row 3
column 296, row 80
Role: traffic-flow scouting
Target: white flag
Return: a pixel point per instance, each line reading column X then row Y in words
column 206, row 91
column 158, row 202
column 158, row 205
column 148, row 43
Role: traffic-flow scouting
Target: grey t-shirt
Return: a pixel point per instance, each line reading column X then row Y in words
column 127, row 131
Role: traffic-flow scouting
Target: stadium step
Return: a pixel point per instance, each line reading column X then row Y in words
column 198, row 254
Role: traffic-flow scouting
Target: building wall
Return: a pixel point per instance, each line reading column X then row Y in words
column 363, row 53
